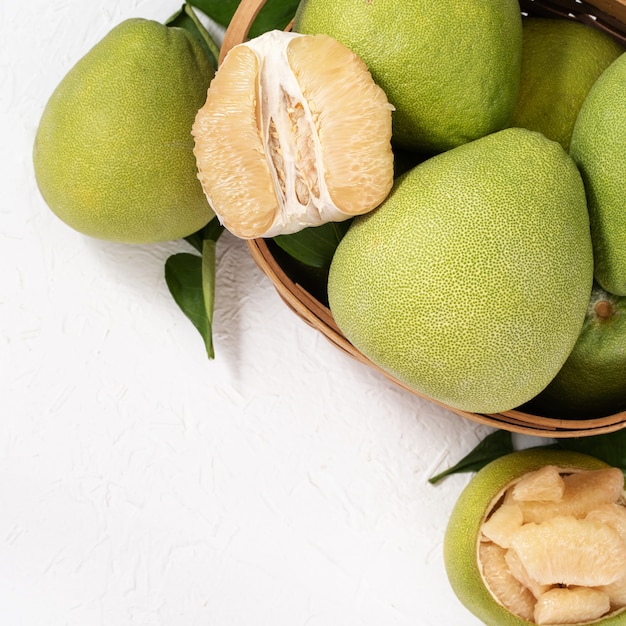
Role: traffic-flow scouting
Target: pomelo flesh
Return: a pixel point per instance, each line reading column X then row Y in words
column 306, row 139
column 464, row 545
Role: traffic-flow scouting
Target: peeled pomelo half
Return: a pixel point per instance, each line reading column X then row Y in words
column 294, row 133
column 515, row 585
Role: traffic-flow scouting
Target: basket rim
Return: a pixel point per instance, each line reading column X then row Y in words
column 318, row 316
column 609, row 15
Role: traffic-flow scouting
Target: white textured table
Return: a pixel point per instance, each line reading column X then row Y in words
column 281, row 484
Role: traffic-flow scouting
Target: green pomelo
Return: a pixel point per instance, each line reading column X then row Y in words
column 598, row 147
column 561, row 60
column 460, row 547
column 113, row 153
column 471, row 281
column 450, row 68
column 592, row 382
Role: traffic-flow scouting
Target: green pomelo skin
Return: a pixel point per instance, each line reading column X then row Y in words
column 113, row 154
column 471, row 281
column 460, row 547
column 598, row 147
column 561, row 60
column 450, row 68
column 592, row 382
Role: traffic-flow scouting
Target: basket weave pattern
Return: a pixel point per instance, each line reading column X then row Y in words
column 607, row 15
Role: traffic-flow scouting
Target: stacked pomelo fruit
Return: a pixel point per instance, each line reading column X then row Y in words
column 469, row 277
column 471, row 281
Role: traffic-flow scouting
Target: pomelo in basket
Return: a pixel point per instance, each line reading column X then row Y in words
column 592, row 382
column 598, row 147
column 113, row 153
column 539, row 537
column 294, row 133
column 561, row 60
column 471, row 281
column 451, row 68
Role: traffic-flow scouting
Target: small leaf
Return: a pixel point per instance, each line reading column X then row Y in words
column 275, row 14
column 184, row 278
column 314, row 246
column 208, row 283
column 186, row 18
column 212, row 231
column 493, row 446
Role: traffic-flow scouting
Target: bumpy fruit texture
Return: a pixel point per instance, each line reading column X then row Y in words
column 561, row 60
column 294, row 133
column 451, row 68
column 568, row 564
column 113, row 154
column 592, row 382
column 598, row 146
column 471, row 281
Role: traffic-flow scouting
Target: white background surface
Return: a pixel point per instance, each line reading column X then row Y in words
column 281, row 484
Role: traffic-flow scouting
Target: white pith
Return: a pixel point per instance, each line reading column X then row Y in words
column 291, row 140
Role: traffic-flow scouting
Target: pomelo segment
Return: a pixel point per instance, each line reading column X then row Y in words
column 565, row 550
column 503, row 524
column 294, row 133
column 544, row 485
column 569, row 606
column 584, row 491
column 506, row 588
column 519, row 571
column 613, row 515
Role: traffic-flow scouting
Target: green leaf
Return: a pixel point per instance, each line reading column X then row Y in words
column 314, row 246
column 208, row 285
column 212, row 231
column 493, row 446
column 191, row 280
column 184, row 278
column 186, row 18
column 275, row 14
column 610, row 447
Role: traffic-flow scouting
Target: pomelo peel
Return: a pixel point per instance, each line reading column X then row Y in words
column 451, row 69
column 592, row 381
column 463, row 534
column 597, row 146
column 451, row 284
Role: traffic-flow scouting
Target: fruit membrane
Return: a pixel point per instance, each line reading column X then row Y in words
column 294, row 133
column 547, row 541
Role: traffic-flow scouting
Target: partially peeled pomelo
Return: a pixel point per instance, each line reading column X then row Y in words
column 567, row 569
column 294, row 133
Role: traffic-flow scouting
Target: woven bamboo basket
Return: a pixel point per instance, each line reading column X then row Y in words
column 608, row 15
